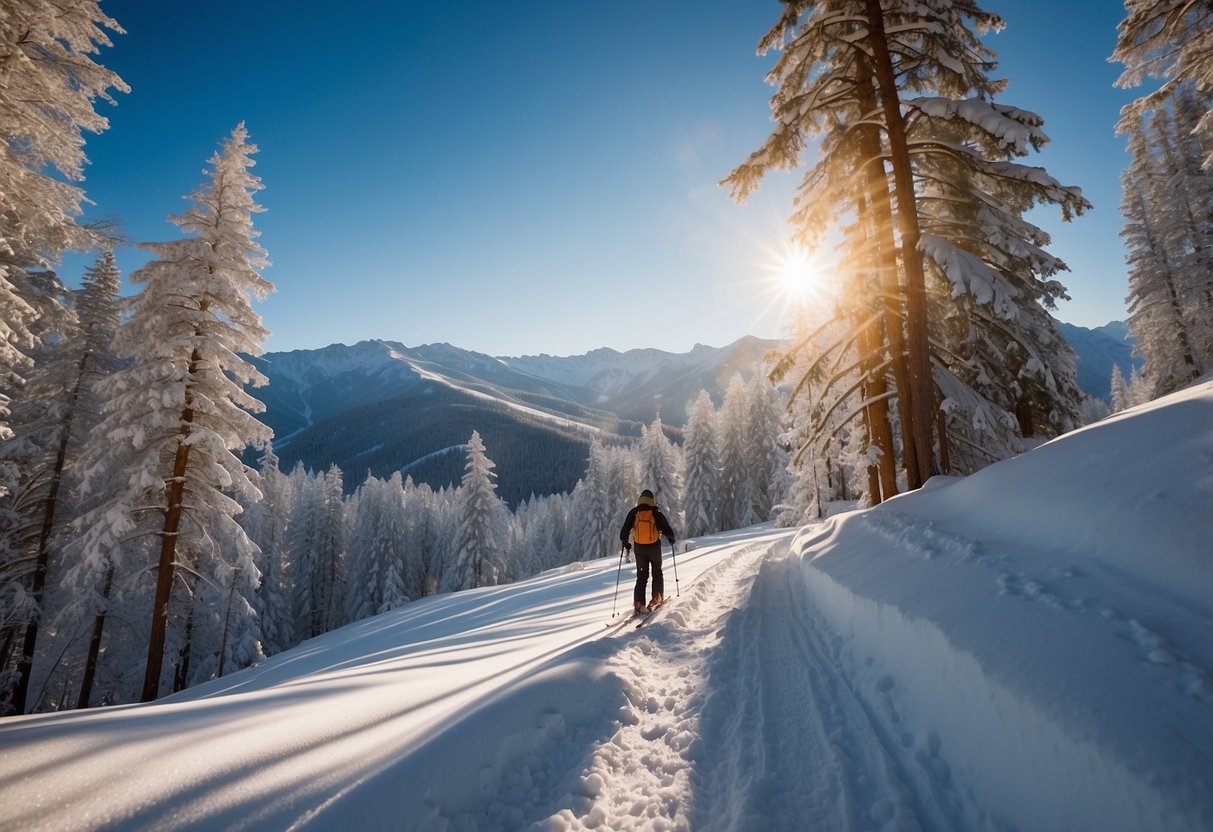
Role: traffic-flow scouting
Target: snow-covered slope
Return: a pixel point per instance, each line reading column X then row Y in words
column 1029, row 648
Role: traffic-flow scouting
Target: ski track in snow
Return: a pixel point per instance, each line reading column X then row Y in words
column 739, row 715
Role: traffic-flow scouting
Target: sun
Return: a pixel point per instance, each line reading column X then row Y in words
column 798, row 274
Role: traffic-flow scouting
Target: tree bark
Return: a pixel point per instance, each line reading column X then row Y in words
column 921, row 428
column 876, row 184
column 174, row 495
column 38, row 585
column 94, row 645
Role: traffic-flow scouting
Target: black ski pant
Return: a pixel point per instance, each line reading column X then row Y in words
column 648, row 556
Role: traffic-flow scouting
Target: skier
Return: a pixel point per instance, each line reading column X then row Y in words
column 643, row 526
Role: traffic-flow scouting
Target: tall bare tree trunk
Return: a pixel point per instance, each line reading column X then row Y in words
column 174, row 494
column 918, row 349
column 876, row 183
column 94, row 645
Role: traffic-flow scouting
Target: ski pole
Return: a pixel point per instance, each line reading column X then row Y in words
column 618, row 572
column 674, row 558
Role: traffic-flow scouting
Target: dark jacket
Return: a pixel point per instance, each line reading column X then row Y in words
column 663, row 525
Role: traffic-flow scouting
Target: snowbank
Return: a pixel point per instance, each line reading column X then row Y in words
column 1044, row 627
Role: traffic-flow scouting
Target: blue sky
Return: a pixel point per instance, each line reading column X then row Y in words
column 533, row 176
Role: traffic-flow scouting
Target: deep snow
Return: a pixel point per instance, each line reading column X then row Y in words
column 1028, row 648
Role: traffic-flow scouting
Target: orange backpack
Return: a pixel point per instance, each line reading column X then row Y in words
column 645, row 528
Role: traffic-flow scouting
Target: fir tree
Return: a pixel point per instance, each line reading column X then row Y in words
column 480, row 535
column 702, row 453
column 1171, row 40
column 737, row 488
column 1169, row 311
column 304, row 548
column 49, row 84
column 909, row 86
column 58, row 409
column 181, row 404
column 660, row 470
column 267, row 524
column 768, row 460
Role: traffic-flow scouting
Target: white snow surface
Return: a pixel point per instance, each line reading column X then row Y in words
column 1029, row 648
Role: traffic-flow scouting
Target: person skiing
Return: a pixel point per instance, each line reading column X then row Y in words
column 643, row 527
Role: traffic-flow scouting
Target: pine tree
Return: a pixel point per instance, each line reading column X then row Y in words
column 768, row 460
column 480, row 535
column 421, row 533
column 1171, row 40
column 1120, row 390
column 181, row 404
column 594, row 508
column 737, row 489
column 660, row 470
column 266, row 522
column 378, row 553
column 909, row 86
column 304, row 547
column 1166, row 307
column 332, row 554
column 49, row 84
column 58, row 408
column 702, row 453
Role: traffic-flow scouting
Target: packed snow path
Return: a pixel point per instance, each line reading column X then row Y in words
column 739, row 718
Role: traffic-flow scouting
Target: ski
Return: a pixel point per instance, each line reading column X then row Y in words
column 621, row 621
column 644, row 618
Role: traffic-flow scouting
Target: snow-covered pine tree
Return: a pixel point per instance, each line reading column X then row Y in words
column 1120, row 390
column 378, row 555
column 768, row 458
column 49, row 84
column 267, row 524
column 480, row 535
column 1171, row 40
column 181, row 404
column 1185, row 218
column 737, row 488
column 851, row 64
column 304, row 546
column 701, row 451
column 56, row 409
column 332, row 552
column 660, row 470
column 994, row 280
column 1168, row 312
column 593, row 502
column 422, row 534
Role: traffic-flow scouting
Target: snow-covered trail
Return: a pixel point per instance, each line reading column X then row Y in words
column 740, row 716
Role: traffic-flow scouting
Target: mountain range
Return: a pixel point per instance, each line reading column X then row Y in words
column 379, row 406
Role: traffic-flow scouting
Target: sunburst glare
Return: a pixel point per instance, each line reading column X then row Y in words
column 798, row 274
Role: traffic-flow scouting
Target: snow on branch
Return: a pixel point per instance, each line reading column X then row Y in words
column 1012, row 127
column 969, row 274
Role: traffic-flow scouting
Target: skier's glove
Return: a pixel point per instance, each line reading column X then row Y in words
column 627, row 546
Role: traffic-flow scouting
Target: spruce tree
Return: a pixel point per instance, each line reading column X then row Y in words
column 479, row 541
column 660, row 470
column 701, row 450
column 913, row 147
column 58, row 408
column 1172, row 41
column 181, row 405
column 49, row 84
